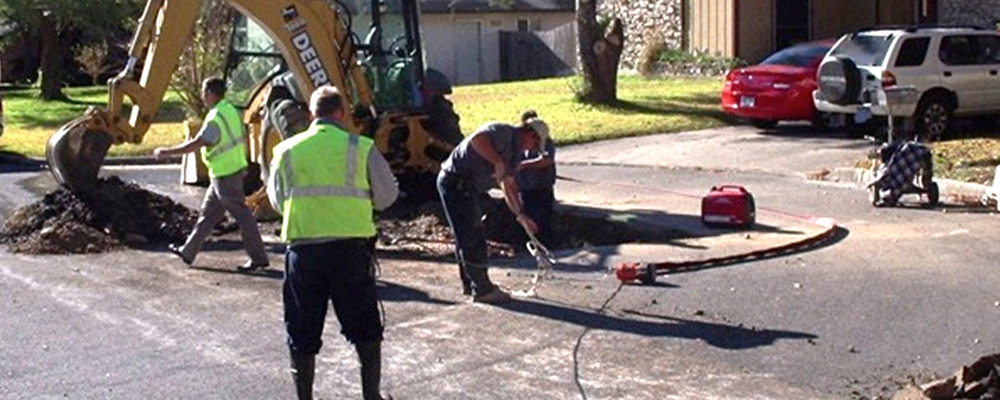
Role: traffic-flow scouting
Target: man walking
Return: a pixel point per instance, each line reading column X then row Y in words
column 327, row 183
column 487, row 156
column 221, row 141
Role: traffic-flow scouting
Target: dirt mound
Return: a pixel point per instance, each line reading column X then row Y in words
column 979, row 380
column 116, row 214
column 423, row 228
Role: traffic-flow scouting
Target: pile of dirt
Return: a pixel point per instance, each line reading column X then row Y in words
column 423, row 228
column 978, row 381
column 116, row 214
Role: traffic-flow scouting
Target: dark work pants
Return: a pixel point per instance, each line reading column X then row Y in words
column 340, row 272
column 538, row 205
column 465, row 217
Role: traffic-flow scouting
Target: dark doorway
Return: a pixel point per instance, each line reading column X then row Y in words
column 791, row 22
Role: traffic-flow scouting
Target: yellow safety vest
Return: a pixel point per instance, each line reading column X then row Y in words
column 324, row 184
column 228, row 155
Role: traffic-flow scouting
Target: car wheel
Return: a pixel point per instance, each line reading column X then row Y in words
column 825, row 121
column 763, row 123
column 839, row 80
column 933, row 118
column 854, row 130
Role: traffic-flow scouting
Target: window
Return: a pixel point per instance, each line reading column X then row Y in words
column 958, row 50
column 989, row 49
column 913, row 52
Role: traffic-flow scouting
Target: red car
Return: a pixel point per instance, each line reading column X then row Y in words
column 779, row 88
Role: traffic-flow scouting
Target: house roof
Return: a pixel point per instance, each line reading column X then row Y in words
column 494, row 6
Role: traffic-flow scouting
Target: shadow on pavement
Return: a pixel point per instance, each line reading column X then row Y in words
column 389, row 291
column 717, row 335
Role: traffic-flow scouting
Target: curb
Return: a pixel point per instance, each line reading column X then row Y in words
column 947, row 187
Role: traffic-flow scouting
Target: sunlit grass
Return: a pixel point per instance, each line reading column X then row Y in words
column 645, row 106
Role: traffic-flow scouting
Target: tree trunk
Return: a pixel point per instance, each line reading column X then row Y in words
column 51, row 61
column 600, row 53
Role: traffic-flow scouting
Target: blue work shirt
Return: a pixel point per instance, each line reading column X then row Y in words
column 541, row 177
column 472, row 167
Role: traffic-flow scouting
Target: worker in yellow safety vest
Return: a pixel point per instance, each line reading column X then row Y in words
column 222, row 144
column 326, row 183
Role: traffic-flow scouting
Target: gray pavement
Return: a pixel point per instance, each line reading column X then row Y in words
column 896, row 292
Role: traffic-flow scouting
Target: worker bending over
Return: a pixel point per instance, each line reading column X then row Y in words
column 488, row 156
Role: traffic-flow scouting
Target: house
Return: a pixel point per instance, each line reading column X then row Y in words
column 752, row 29
column 462, row 38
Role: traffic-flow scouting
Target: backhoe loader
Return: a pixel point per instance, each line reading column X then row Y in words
column 281, row 51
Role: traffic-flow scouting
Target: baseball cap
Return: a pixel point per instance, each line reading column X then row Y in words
column 539, row 126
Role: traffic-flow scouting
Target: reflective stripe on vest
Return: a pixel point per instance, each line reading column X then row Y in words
column 228, row 156
column 324, row 175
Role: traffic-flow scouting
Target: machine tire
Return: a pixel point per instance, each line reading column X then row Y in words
column 763, row 123
column 933, row 118
column 839, row 80
column 933, row 194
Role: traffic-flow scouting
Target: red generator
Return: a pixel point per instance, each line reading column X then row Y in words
column 728, row 206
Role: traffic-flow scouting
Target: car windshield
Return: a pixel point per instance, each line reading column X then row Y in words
column 797, row 56
column 864, row 50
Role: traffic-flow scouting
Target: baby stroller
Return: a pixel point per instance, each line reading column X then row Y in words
column 900, row 168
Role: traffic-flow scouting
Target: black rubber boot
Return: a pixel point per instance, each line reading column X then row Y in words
column 370, row 355
column 303, row 371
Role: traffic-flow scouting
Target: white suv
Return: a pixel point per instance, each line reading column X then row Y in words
column 946, row 70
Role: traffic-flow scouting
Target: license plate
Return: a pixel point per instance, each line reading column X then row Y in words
column 746, row 101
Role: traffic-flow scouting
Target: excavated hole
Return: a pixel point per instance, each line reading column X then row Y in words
column 123, row 214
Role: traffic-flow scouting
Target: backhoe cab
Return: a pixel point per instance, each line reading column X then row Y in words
column 280, row 52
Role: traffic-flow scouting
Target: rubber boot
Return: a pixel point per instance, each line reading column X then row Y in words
column 370, row 355
column 303, row 371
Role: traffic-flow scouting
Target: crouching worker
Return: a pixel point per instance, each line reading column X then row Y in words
column 487, row 156
column 326, row 183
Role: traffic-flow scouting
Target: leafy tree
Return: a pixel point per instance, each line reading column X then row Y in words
column 61, row 26
column 204, row 56
column 93, row 58
column 600, row 51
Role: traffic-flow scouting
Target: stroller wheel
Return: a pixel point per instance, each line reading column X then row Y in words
column 873, row 195
column 933, row 195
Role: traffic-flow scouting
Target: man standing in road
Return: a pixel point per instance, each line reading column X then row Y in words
column 221, row 141
column 487, row 156
column 327, row 183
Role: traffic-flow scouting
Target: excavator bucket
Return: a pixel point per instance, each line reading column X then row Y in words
column 75, row 154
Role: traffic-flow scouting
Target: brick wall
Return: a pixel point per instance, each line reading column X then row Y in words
column 974, row 12
column 646, row 21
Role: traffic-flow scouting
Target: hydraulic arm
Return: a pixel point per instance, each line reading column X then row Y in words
column 308, row 33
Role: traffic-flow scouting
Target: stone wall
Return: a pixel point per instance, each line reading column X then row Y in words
column 646, row 22
column 973, row 12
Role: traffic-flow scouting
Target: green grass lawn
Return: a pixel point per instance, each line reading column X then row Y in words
column 29, row 121
column 646, row 106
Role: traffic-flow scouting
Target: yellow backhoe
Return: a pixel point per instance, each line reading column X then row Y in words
column 281, row 51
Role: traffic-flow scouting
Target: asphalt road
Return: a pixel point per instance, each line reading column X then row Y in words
column 897, row 293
